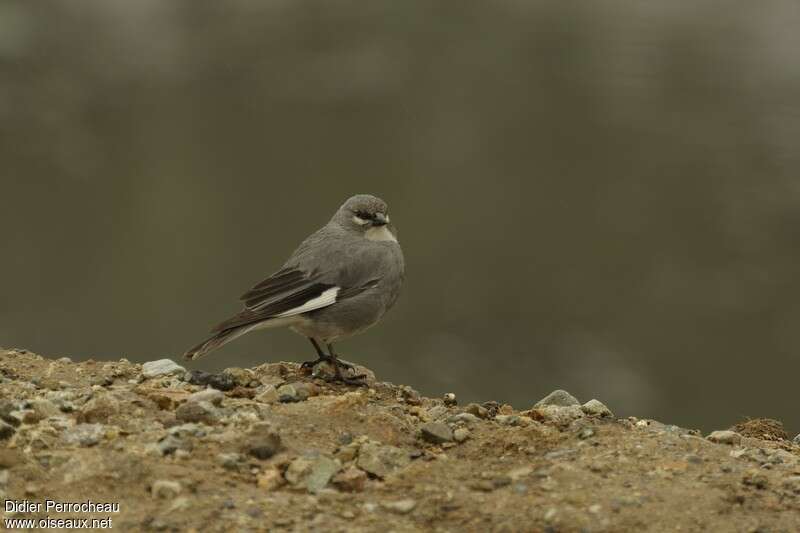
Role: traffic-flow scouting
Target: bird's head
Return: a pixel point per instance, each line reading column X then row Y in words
column 368, row 215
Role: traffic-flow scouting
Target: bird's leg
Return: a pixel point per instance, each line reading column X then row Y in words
column 321, row 356
column 337, row 367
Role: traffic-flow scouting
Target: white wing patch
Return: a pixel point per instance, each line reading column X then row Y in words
column 323, row 300
column 381, row 233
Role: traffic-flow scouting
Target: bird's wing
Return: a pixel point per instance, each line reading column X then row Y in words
column 290, row 292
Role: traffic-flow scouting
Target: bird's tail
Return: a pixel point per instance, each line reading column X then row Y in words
column 217, row 340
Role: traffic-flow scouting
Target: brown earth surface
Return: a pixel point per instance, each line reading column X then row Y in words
column 281, row 450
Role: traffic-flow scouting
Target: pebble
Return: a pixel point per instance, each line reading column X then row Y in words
column 40, row 409
column 312, row 473
column 6, row 430
column 476, row 410
column 241, row 376
column 198, row 411
column 296, row 392
column 725, row 437
column 468, row 418
column 796, row 440
column 212, row 396
column 596, row 408
column 350, row 480
column 262, row 441
column 99, row 409
column 160, row 368
column 436, row 412
column 460, row 434
column 560, row 398
column 268, row 395
column 436, row 432
column 270, row 479
column 223, row 382
column 381, row 460
column 230, row 461
column 85, row 434
column 400, row 506
column 171, row 444
column 165, row 489
column 450, row 399
column 64, row 360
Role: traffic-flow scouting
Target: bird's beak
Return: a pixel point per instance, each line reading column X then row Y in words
column 380, row 220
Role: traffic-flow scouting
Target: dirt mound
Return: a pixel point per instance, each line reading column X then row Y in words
column 762, row 428
column 281, row 450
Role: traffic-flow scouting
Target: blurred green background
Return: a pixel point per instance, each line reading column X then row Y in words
column 601, row 197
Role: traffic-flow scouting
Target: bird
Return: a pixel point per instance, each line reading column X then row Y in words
column 339, row 282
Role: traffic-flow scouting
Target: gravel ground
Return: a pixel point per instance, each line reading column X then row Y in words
column 273, row 448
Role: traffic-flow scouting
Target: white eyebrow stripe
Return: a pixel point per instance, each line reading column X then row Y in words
column 323, row 300
column 360, row 221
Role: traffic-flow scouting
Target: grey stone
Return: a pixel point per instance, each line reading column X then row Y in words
column 468, row 418
column 171, row 444
column 450, row 399
column 85, row 434
column 436, row 412
column 293, row 392
column 460, row 434
column 262, row 441
column 558, row 397
column 381, row 460
column 212, row 396
column 201, row 411
column 596, row 408
column 510, row 420
column 796, row 440
column 561, row 416
column 436, row 432
column 187, row 430
column 8, row 412
column 477, row 410
column 160, row 368
column 312, row 473
column 6, row 430
column 165, row 489
column 725, row 437
column 218, row 381
column 231, row 461
column 400, row 506
column 241, row 376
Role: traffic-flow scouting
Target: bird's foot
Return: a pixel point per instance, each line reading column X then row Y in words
column 312, row 364
column 356, row 381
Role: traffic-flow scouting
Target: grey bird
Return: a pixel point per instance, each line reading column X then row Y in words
column 340, row 281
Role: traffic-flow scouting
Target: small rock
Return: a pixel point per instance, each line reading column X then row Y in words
column 596, row 408
column 262, row 441
column 41, row 409
column 165, row 490
column 436, row 432
column 380, row 460
column 512, row 420
column 200, row 411
column 725, row 437
column 460, row 434
column 477, row 410
column 409, row 395
column 436, row 412
column 64, row 360
column 85, row 434
column 560, row 398
column 6, row 430
column 171, row 444
column 792, row 483
column 241, row 376
column 558, row 415
column 312, row 473
column 160, row 368
column 268, row 395
column 223, row 382
column 212, row 396
column 350, row 480
column 450, row 399
column 230, row 461
column 468, row 418
column 271, row 479
column 296, row 392
column 400, row 506
column 796, row 440
column 99, row 409
column 754, row 478
column 586, row 433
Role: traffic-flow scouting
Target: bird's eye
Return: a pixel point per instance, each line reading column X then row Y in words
column 363, row 215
